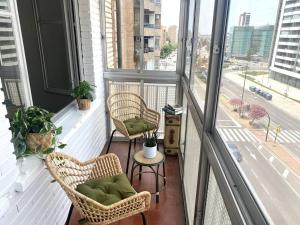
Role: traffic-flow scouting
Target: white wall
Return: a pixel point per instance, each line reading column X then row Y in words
column 43, row 202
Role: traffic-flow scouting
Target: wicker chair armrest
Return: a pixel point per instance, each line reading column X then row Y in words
column 120, row 127
column 105, row 165
column 143, row 198
column 152, row 116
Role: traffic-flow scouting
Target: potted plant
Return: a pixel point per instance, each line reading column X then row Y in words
column 83, row 94
column 33, row 132
column 150, row 144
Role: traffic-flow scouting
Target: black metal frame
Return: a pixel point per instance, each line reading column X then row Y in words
column 136, row 164
column 129, row 150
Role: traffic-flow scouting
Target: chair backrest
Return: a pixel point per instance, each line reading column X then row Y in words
column 125, row 105
column 68, row 171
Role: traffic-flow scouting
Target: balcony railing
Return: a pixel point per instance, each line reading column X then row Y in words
column 148, row 49
column 149, row 25
column 155, row 95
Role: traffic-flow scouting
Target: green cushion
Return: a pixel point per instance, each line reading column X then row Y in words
column 138, row 125
column 107, row 190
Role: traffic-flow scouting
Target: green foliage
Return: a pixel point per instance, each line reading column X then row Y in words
column 167, row 49
column 150, row 138
column 83, row 91
column 32, row 120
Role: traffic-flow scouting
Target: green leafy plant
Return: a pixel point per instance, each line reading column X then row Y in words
column 150, row 138
column 83, row 91
column 33, row 120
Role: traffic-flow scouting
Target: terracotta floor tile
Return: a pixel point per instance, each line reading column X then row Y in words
column 169, row 211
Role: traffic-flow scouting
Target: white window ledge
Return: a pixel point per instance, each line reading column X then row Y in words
column 71, row 119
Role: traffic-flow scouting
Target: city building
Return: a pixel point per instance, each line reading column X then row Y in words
column 122, row 46
column 285, row 64
column 244, row 19
column 172, row 33
column 241, row 41
column 262, row 41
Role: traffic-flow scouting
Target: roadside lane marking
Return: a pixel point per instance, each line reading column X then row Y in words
column 233, row 135
column 265, row 189
column 287, row 135
column 246, row 136
column 287, row 183
column 252, row 136
column 285, row 173
column 254, row 173
column 271, row 159
column 239, row 135
column 253, row 156
column 228, row 135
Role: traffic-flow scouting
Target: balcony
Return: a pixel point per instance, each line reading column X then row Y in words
column 230, row 155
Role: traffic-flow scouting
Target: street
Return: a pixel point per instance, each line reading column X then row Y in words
column 290, row 126
column 274, row 185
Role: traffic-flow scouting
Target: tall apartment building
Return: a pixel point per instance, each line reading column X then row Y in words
column 261, row 41
column 244, row 19
column 152, row 33
column 241, row 40
column 172, row 34
column 123, row 42
column 285, row 64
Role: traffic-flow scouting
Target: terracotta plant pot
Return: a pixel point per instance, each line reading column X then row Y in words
column 36, row 141
column 150, row 152
column 84, row 104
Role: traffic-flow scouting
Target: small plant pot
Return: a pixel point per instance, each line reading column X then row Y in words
column 84, row 104
column 150, row 152
column 36, row 141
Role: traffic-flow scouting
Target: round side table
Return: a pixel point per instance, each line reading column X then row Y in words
column 139, row 161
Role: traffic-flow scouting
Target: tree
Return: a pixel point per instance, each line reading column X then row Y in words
column 236, row 103
column 256, row 112
column 167, row 49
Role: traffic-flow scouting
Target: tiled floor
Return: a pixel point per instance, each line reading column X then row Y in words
column 169, row 210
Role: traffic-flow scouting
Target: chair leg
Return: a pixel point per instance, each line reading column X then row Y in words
column 69, row 214
column 144, row 219
column 128, row 157
column 110, row 140
column 134, row 142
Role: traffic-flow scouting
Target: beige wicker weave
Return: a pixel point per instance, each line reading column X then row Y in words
column 126, row 105
column 70, row 172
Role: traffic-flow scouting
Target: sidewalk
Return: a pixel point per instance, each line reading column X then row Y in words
column 275, row 148
column 287, row 105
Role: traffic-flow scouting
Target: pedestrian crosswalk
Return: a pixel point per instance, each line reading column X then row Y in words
column 287, row 136
column 236, row 135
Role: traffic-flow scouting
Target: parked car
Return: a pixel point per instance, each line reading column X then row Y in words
column 252, row 88
column 262, row 93
column 233, row 149
column 258, row 91
column 268, row 96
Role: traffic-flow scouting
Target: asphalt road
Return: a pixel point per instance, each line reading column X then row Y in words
column 274, row 186
column 290, row 126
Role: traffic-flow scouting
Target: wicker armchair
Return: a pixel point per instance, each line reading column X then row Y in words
column 123, row 106
column 69, row 172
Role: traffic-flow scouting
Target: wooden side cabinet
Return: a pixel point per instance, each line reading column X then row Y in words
column 172, row 134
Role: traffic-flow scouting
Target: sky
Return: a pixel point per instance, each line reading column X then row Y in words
column 262, row 12
column 170, row 12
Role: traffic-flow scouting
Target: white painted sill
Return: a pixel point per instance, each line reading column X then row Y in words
column 71, row 119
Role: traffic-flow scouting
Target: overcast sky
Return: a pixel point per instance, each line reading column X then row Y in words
column 262, row 12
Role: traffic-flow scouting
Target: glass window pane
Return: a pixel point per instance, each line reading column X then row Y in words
column 183, row 125
column 258, row 112
column 202, row 50
column 191, row 166
column 10, row 74
column 160, row 34
column 189, row 37
column 215, row 209
column 122, row 27
column 157, row 96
